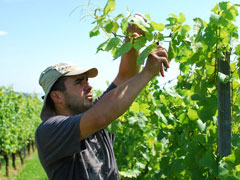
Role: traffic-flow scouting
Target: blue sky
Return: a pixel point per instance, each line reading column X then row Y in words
column 37, row 33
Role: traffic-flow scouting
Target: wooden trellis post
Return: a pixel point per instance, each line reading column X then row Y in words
column 224, row 110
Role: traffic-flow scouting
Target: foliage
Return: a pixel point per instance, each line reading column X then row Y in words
column 19, row 117
column 172, row 133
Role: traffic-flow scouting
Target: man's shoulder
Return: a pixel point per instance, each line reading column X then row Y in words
column 56, row 122
column 58, row 119
column 55, row 119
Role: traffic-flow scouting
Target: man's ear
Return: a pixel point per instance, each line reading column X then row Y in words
column 57, row 97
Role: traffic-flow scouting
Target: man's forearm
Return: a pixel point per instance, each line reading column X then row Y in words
column 129, row 62
column 128, row 67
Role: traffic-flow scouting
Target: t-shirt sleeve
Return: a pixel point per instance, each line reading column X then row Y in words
column 59, row 137
column 112, row 86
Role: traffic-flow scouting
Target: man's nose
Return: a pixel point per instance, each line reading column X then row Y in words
column 87, row 86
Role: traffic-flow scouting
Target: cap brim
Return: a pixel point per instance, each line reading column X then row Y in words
column 91, row 72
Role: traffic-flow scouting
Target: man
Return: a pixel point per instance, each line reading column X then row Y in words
column 72, row 141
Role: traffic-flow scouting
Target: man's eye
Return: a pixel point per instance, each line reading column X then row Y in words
column 79, row 81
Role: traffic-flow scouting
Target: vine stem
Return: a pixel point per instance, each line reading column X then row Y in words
column 7, row 163
column 14, row 161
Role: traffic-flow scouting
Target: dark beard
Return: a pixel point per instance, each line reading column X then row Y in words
column 78, row 110
column 77, row 107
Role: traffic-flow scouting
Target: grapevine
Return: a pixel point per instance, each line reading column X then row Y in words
column 19, row 117
column 173, row 133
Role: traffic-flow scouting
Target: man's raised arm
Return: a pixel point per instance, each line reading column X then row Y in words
column 114, row 103
column 128, row 65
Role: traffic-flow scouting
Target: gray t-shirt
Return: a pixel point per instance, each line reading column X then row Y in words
column 65, row 157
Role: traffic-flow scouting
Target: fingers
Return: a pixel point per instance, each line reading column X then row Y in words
column 160, row 56
column 161, row 71
column 164, row 62
column 161, row 52
column 134, row 29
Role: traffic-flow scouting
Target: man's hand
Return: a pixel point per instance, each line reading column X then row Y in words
column 128, row 66
column 156, row 60
column 134, row 29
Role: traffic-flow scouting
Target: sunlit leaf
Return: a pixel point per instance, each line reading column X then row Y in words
column 122, row 50
column 192, row 114
column 109, row 7
column 113, row 43
column 201, row 125
column 161, row 116
column 182, row 18
column 145, row 53
column 94, row 32
column 158, row 27
column 223, row 78
column 135, row 107
column 102, row 46
column 140, row 43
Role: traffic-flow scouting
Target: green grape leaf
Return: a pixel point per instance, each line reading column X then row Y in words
column 192, row 114
column 145, row 109
column 215, row 18
column 196, row 97
column 161, row 116
column 236, row 140
column 237, row 50
column 130, row 173
column 208, row 160
column 109, row 7
column 171, row 52
column 134, row 107
column 149, row 36
column 201, row 125
column 210, row 70
column 140, row 43
column 133, row 120
column 145, row 53
column 172, row 21
column 182, row 18
column 124, row 25
column 222, row 170
column 141, row 120
column 111, row 27
column 184, row 30
column 158, row 27
column 113, row 43
column 113, row 127
column 122, row 50
column 102, row 46
column 94, row 32
column 215, row 9
column 108, row 27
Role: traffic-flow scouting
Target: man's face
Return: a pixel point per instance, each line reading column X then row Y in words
column 78, row 96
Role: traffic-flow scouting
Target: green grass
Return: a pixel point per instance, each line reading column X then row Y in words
column 31, row 170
